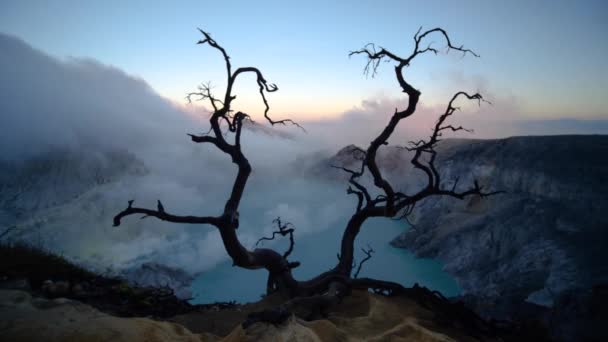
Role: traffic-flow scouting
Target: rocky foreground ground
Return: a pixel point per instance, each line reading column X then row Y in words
column 44, row 297
column 361, row 317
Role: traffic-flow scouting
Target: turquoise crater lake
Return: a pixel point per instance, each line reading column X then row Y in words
column 317, row 252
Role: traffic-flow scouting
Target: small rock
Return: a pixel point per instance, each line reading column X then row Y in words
column 78, row 290
column 62, row 288
column 15, row 284
column 271, row 316
column 56, row 289
column 48, row 286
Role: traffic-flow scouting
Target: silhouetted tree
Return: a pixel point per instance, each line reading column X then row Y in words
column 331, row 285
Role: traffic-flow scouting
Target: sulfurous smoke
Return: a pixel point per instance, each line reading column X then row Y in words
column 78, row 139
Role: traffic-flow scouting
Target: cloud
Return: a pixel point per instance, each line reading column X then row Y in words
column 45, row 102
column 503, row 117
column 363, row 123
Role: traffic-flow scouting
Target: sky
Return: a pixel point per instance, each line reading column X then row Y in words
column 539, row 59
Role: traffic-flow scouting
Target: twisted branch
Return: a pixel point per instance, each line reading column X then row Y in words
column 362, row 193
column 7, row 231
column 204, row 93
column 161, row 214
column 284, row 229
column 391, row 203
column 368, row 255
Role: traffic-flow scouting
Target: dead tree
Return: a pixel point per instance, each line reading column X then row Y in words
column 333, row 284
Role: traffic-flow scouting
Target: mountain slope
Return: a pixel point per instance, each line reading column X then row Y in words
column 542, row 242
column 60, row 175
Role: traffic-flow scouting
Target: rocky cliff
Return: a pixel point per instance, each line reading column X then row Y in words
column 57, row 177
column 539, row 245
column 61, row 192
column 541, row 241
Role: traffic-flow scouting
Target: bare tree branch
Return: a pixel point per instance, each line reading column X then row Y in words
column 7, row 231
column 359, row 195
column 368, row 255
column 361, row 192
column 215, row 45
column 393, row 203
column 161, row 214
column 428, row 146
column 204, row 139
column 284, row 229
column 204, row 93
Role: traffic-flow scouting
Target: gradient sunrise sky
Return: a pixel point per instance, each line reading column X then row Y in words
column 547, row 57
